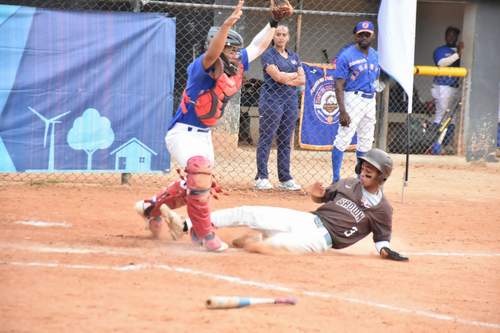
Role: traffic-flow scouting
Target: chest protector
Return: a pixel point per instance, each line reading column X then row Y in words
column 209, row 106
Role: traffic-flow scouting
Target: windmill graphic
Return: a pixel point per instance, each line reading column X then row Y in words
column 48, row 123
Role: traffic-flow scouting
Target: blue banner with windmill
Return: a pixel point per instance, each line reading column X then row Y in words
column 319, row 120
column 85, row 91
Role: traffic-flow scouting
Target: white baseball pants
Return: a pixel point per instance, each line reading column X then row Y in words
column 293, row 230
column 445, row 98
column 185, row 141
column 362, row 113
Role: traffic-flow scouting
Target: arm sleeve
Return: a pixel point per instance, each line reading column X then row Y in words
column 244, row 60
column 342, row 67
column 448, row 60
column 442, row 56
column 330, row 193
column 260, row 42
column 382, row 225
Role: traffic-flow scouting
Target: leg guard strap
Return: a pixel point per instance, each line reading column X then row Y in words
column 174, row 196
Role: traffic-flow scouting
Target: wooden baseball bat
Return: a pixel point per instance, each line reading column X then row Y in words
column 231, row 302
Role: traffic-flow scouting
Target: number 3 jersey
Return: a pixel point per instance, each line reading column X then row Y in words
column 348, row 220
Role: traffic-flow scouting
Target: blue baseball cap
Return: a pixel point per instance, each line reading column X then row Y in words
column 364, row 26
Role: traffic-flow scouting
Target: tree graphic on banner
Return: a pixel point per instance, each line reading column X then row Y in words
column 89, row 133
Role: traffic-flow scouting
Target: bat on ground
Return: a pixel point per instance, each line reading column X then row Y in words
column 230, row 302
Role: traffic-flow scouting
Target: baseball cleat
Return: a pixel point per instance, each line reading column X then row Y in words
column 213, row 243
column 194, row 238
column 174, row 222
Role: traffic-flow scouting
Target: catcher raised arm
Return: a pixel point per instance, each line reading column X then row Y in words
column 213, row 78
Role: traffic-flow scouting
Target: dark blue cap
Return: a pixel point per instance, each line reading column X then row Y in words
column 364, row 26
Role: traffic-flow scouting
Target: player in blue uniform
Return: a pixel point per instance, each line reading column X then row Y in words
column 445, row 88
column 213, row 78
column 356, row 73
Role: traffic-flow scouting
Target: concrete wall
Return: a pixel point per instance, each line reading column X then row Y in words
column 481, row 28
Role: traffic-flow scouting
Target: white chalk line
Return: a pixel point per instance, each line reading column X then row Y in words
column 176, row 248
column 44, row 224
column 70, row 250
column 452, row 254
column 140, row 251
column 262, row 285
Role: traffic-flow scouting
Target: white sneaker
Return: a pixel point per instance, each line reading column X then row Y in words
column 289, row 185
column 263, row 184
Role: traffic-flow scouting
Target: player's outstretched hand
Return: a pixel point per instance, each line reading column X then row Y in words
column 387, row 253
column 235, row 15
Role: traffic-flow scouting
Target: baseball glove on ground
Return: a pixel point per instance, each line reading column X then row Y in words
column 393, row 255
column 281, row 9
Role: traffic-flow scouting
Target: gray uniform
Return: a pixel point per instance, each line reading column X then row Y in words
column 348, row 220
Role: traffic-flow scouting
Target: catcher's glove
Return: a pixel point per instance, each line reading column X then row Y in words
column 281, row 9
column 392, row 255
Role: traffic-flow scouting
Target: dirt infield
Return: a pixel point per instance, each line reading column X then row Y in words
column 96, row 270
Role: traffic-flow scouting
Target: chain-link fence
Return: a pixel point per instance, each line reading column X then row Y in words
column 256, row 138
column 435, row 121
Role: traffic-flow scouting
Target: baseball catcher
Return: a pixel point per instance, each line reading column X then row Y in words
column 213, row 78
column 352, row 209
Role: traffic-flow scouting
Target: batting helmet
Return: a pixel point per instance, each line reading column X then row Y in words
column 233, row 38
column 381, row 161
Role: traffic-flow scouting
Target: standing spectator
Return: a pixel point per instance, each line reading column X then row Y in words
column 445, row 88
column 278, row 109
column 356, row 73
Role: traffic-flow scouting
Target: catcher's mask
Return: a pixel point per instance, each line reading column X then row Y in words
column 381, row 161
column 233, row 39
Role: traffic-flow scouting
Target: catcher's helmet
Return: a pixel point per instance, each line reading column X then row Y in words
column 233, row 38
column 381, row 161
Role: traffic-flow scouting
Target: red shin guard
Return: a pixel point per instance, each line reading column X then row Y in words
column 198, row 209
column 174, row 196
column 199, row 182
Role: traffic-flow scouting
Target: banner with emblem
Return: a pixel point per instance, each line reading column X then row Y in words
column 319, row 113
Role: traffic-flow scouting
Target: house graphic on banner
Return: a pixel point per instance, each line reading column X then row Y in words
column 133, row 156
column 44, row 75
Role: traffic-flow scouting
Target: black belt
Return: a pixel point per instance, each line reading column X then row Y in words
column 201, row 130
column 364, row 95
